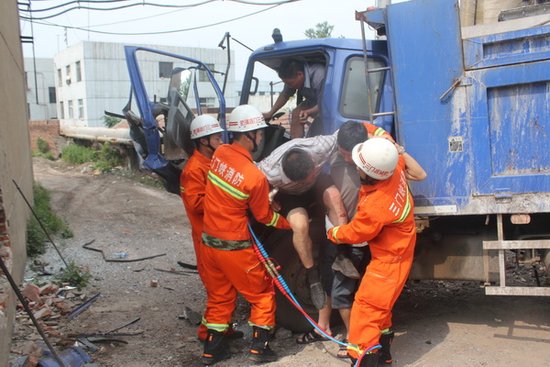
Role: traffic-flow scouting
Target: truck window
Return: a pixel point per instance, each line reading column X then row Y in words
column 353, row 103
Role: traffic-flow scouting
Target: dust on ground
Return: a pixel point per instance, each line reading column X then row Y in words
column 437, row 323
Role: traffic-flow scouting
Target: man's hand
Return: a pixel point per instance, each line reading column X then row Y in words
column 275, row 206
column 267, row 116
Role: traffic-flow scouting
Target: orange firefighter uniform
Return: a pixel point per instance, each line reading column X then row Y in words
column 385, row 219
column 235, row 187
column 374, row 130
column 192, row 186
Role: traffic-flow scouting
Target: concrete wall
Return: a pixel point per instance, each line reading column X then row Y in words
column 44, row 109
column 15, row 163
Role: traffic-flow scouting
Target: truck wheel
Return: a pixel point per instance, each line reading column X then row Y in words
column 279, row 246
column 546, row 262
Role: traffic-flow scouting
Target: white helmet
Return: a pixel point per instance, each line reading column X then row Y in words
column 377, row 157
column 245, row 118
column 204, row 125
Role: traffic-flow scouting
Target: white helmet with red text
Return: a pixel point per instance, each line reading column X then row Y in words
column 377, row 157
column 245, row 118
column 204, row 125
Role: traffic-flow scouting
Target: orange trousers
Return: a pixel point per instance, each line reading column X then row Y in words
column 227, row 272
column 371, row 311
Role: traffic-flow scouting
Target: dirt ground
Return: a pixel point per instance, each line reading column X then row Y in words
column 437, row 323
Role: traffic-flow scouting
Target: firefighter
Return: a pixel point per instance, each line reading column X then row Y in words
column 236, row 187
column 206, row 134
column 385, row 219
column 346, row 179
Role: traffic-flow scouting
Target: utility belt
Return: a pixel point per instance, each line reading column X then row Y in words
column 226, row 245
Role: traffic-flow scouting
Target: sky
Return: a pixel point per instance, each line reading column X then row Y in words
column 291, row 17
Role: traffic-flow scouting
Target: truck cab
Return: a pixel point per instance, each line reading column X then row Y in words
column 470, row 104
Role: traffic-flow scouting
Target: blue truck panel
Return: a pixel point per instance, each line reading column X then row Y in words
column 479, row 133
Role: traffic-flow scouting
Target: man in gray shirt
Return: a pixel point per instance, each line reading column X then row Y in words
column 295, row 172
column 306, row 79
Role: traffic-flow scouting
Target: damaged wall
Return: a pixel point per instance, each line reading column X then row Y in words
column 15, row 163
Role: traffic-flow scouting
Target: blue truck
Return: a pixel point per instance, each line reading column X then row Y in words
column 471, row 104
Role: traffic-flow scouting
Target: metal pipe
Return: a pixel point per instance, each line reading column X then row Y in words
column 119, row 135
column 29, row 312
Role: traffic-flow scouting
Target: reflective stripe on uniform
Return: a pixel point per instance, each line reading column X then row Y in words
column 274, row 220
column 379, row 132
column 334, row 234
column 218, row 327
column 406, row 209
column 231, row 190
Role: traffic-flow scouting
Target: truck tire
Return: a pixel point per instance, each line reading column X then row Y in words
column 279, row 247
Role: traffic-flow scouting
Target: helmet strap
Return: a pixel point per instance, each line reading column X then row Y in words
column 253, row 139
column 368, row 180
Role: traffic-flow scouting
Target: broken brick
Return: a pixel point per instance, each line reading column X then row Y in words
column 32, row 293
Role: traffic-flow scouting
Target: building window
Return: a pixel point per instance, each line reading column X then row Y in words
column 70, row 109
column 80, row 108
column 51, row 93
column 61, row 110
column 78, row 71
column 203, row 77
column 165, row 69
column 207, row 102
column 68, row 74
column 59, row 78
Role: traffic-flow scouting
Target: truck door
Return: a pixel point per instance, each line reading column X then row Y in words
column 169, row 90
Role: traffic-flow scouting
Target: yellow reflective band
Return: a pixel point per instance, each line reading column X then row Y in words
column 334, row 233
column 182, row 189
column 266, row 327
column 406, row 210
column 355, row 348
column 237, row 194
column 379, row 132
column 274, row 220
column 218, row 327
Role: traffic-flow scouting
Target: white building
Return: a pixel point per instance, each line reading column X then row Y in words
column 92, row 77
column 41, row 91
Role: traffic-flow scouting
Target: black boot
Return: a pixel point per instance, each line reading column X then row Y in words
column 385, row 341
column 215, row 348
column 260, row 351
column 368, row 360
column 318, row 295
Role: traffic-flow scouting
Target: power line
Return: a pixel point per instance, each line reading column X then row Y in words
column 142, row 3
column 164, row 32
column 116, row 8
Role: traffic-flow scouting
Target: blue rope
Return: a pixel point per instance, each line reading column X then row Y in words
column 279, row 278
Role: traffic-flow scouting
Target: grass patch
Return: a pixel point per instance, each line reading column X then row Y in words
column 44, row 150
column 75, row 275
column 78, row 154
column 36, row 238
column 104, row 156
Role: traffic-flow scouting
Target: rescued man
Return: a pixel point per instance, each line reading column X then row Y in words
column 294, row 171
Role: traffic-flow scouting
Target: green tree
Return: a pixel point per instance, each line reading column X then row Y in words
column 321, row 30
